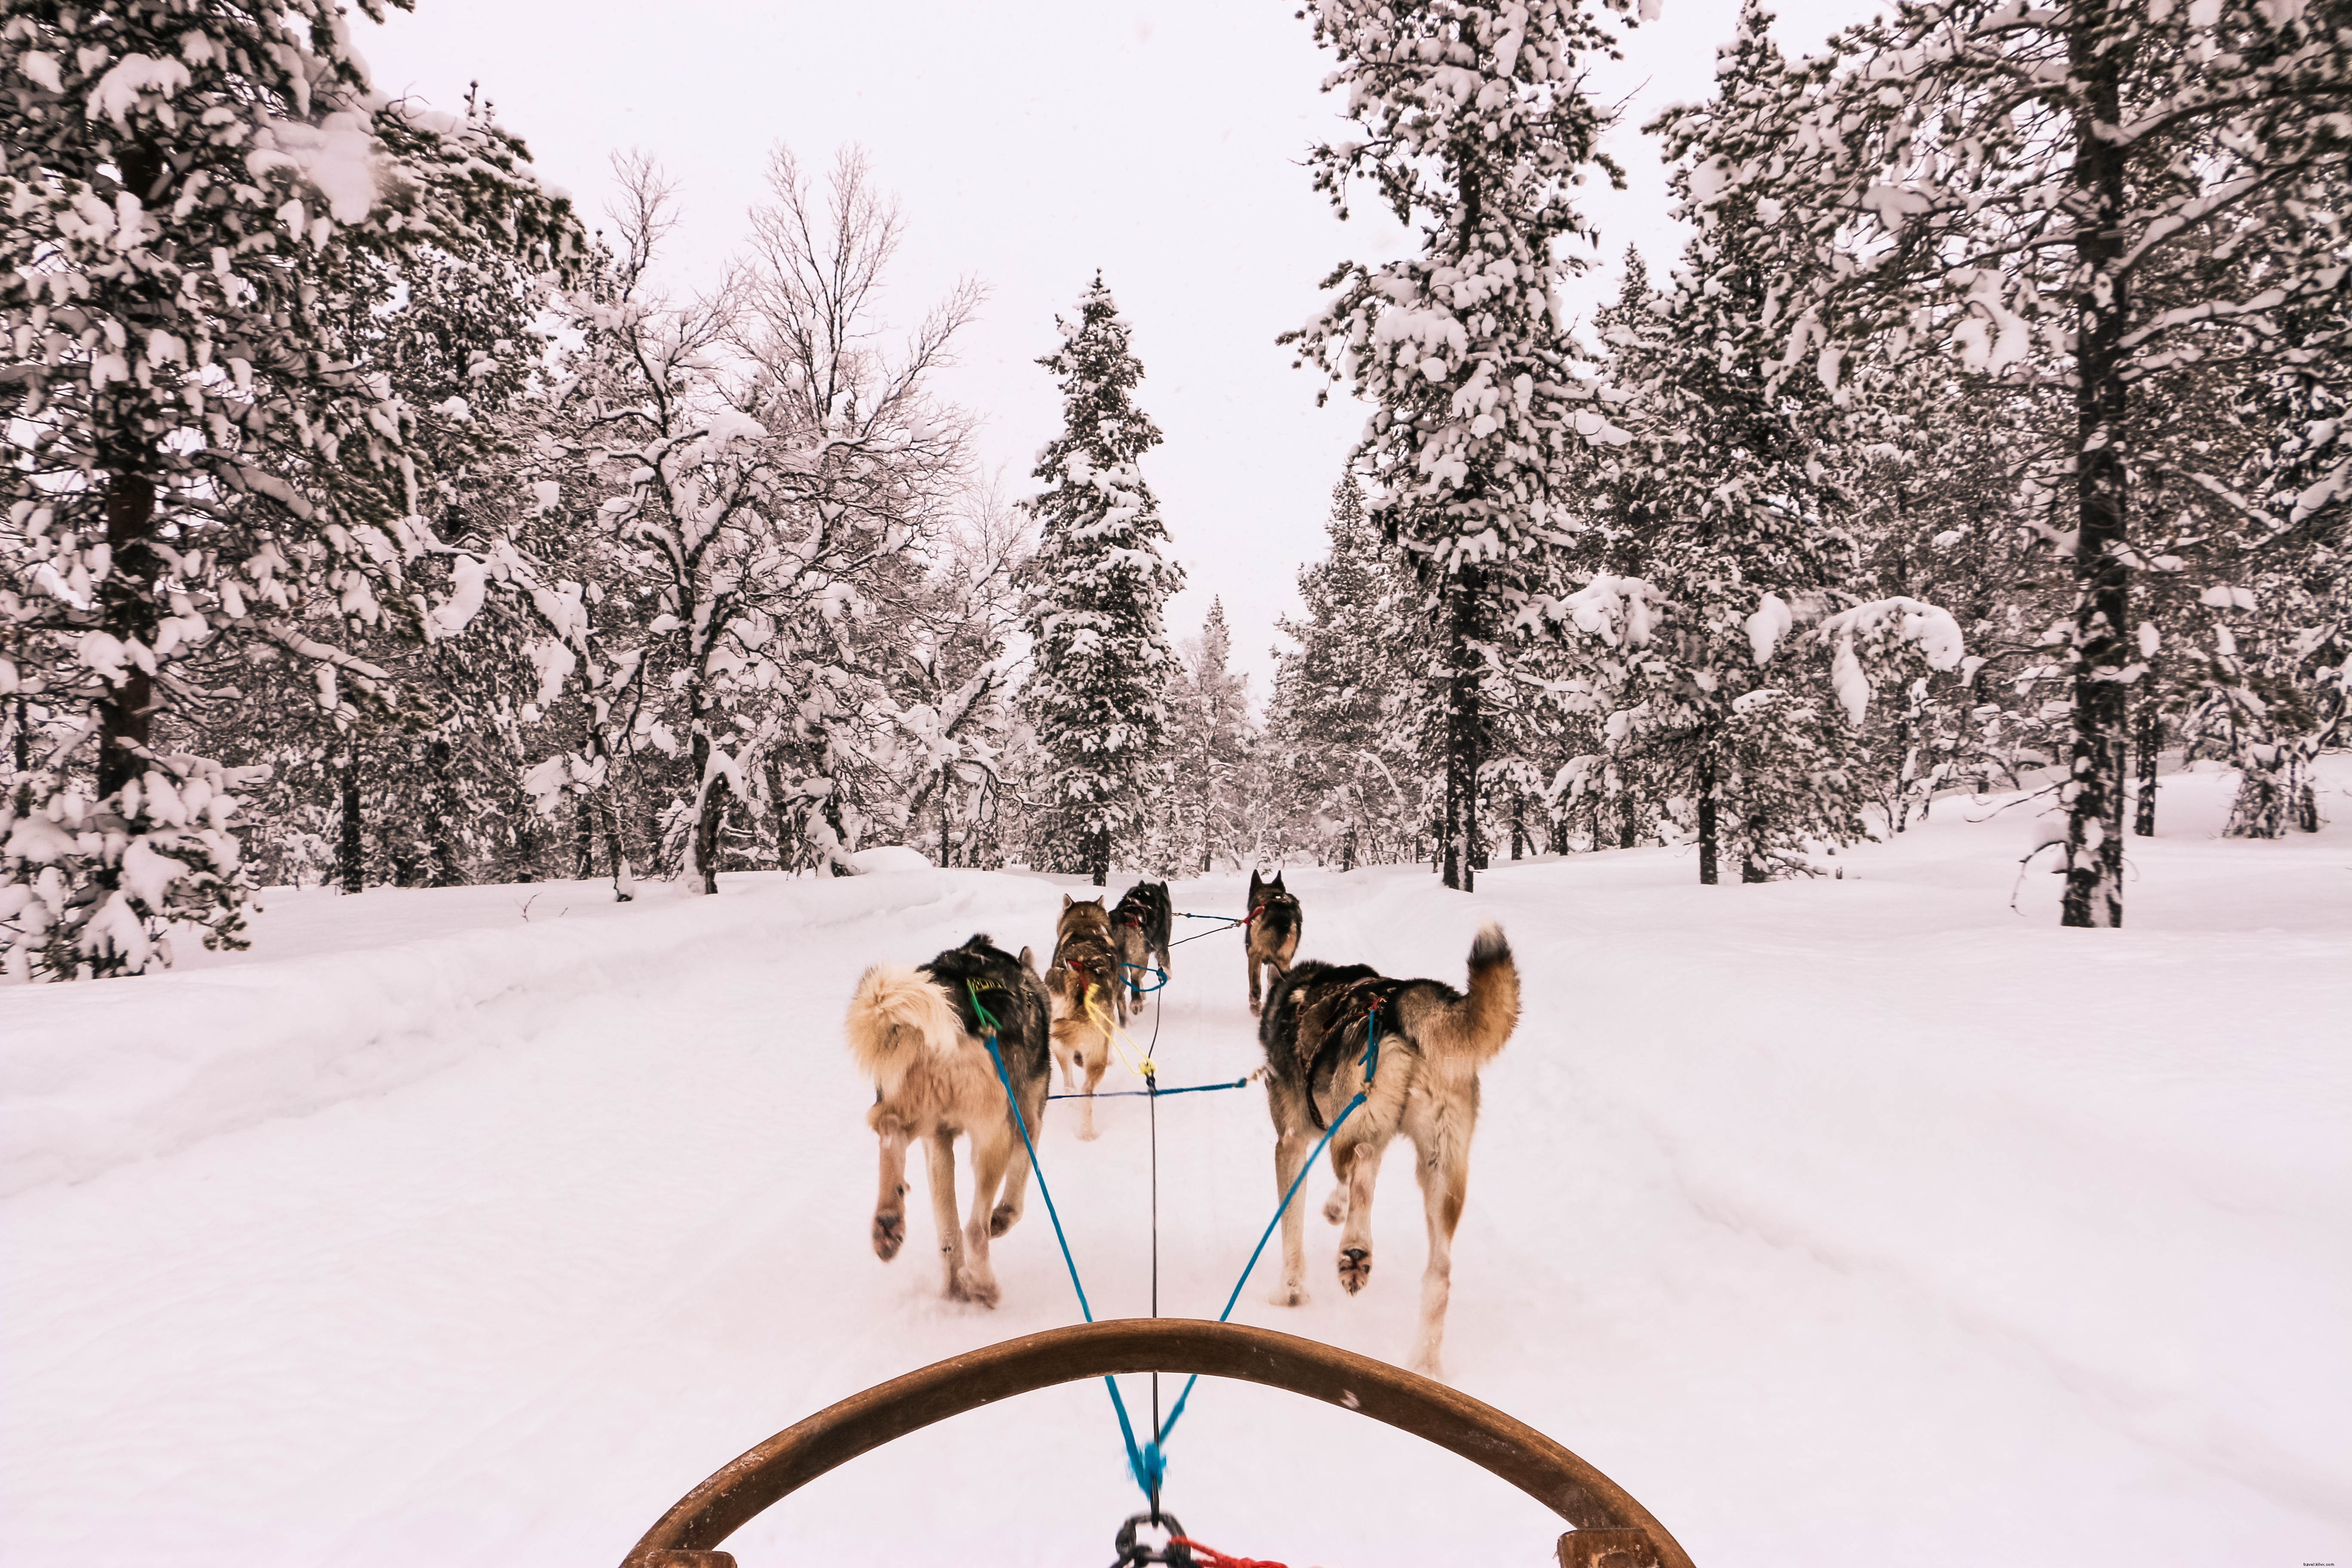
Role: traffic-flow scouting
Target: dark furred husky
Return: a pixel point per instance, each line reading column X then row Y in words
column 1139, row 927
column 1272, row 935
column 1433, row 1040
column 1085, row 991
column 914, row 1031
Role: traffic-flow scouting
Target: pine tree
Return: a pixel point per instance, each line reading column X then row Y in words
column 1209, row 743
column 1475, row 128
column 1100, row 659
column 198, row 193
column 1340, row 725
column 1727, row 499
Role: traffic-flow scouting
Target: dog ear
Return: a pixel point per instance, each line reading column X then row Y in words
column 1256, row 882
column 1067, row 901
column 1029, row 961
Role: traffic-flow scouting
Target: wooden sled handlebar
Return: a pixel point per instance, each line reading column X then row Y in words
column 1611, row 1530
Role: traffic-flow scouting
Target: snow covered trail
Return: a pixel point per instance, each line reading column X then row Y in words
column 1847, row 1222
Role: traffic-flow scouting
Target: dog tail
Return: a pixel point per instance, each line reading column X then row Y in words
column 897, row 1014
column 1472, row 1028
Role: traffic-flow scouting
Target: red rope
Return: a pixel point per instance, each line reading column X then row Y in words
column 1210, row 1557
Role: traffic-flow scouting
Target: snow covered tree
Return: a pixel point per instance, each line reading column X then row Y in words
column 1210, row 737
column 1341, row 723
column 1726, row 499
column 1475, row 128
column 196, row 192
column 762, row 516
column 2123, row 188
column 1101, row 666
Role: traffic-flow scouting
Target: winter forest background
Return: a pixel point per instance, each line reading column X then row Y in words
column 375, row 516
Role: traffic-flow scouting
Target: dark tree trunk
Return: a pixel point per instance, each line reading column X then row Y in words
column 1519, row 820
column 1098, row 857
column 2094, row 850
column 1462, row 738
column 709, row 816
column 625, row 882
column 127, row 711
column 583, row 840
column 350, row 854
column 2151, row 745
column 441, row 814
column 1707, row 835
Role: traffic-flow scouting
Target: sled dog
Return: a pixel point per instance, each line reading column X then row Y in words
column 1084, row 985
column 914, row 1030
column 1272, row 935
column 1432, row 1041
column 1140, row 926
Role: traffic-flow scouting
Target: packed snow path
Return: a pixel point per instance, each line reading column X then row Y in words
column 1860, row 1221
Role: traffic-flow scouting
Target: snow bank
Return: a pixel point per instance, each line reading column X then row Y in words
column 94, row 1074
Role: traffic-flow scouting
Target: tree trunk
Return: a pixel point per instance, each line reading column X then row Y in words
column 351, row 856
column 2151, row 743
column 1707, row 836
column 1519, row 820
column 1099, row 857
column 625, row 881
column 1462, row 738
column 709, row 816
column 440, row 813
column 583, row 839
column 127, row 711
column 2303, row 798
column 2095, row 785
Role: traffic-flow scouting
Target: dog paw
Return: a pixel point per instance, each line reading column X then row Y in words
column 890, row 1235
column 978, row 1290
column 1335, row 1207
column 1001, row 1220
column 1428, row 1366
column 1288, row 1295
column 1355, row 1267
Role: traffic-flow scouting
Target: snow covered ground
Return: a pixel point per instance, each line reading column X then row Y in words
column 1851, row 1222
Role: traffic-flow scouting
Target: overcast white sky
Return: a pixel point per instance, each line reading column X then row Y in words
column 1030, row 143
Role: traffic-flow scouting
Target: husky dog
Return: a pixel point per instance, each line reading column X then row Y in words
column 1139, row 927
column 1084, row 985
column 1272, row 935
column 916, row 1032
column 1424, row 1084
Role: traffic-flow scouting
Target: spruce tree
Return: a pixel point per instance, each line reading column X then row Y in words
column 1210, row 742
column 1475, row 128
column 1100, row 661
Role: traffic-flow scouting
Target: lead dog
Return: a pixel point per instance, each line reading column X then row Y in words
column 1275, row 924
column 1139, row 925
column 1433, row 1040
column 1084, row 985
column 914, row 1030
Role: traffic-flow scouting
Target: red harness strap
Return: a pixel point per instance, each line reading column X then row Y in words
column 1210, row 1557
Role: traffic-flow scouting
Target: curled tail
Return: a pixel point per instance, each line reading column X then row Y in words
column 1472, row 1027
column 897, row 1014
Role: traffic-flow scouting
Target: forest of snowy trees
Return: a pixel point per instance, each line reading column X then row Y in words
column 372, row 521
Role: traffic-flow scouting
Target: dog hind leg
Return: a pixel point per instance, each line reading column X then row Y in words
column 1290, row 1150
column 990, row 1154
column 1444, row 1184
column 1016, row 1175
column 942, row 1149
column 890, row 1206
column 1095, row 1070
column 1363, row 1167
column 1335, row 1207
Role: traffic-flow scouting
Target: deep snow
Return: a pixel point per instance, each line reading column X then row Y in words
column 1853, row 1221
